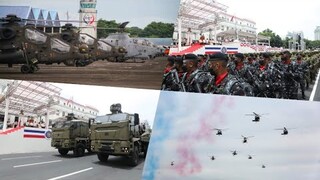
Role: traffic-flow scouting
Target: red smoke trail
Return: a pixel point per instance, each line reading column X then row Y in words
column 187, row 162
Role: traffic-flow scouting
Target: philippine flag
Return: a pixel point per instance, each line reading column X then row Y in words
column 36, row 133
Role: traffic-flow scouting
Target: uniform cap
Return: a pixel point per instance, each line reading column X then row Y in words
column 239, row 55
column 218, row 57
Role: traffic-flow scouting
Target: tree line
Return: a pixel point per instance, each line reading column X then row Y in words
column 276, row 41
column 152, row 30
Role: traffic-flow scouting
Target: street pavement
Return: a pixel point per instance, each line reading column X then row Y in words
column 52, row 166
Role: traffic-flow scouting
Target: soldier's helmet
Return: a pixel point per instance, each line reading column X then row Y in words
column 115, row 108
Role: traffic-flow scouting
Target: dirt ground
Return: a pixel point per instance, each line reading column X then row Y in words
column 147, row 75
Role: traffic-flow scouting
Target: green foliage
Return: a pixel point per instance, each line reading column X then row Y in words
column 275, row 39
column 106, row 24
column 158, row 30
column 313, row 44
column 152, row 30
column 134, row 31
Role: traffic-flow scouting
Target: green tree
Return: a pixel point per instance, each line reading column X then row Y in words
column 106, row 27
column 285, row 42
column 158, row 30
column 275, row 39
column 134, row 31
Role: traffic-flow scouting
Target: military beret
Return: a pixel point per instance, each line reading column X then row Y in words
column 190, row 57
column 178, row 59
column 266, row 55
column 218, row 57
column 171, row 58
column 239, row 55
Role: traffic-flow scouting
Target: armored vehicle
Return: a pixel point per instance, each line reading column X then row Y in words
column 71, row 134
column 119, row 134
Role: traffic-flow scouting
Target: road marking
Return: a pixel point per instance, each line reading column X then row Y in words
column 314, row 87
column 25, row 157
column 70, row 174
column 33, row 164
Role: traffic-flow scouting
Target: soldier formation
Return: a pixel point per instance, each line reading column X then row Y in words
column 283, row 75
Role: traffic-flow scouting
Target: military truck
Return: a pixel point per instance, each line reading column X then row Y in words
column 119, row 134
column 71, row 134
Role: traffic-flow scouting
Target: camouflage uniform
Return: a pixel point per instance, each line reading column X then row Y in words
column 230, row 85
column 302, row 71
column 171, row 81
column 290, row 81
column 198, row 81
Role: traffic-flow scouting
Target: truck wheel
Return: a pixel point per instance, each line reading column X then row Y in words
column 134, row 159
column 63, row 152
column 79, row 150
column 103, row 157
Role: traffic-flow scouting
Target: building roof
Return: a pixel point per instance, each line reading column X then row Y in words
column 31, row 97
column 34, row 15
column 199, row 14
column 21, row 11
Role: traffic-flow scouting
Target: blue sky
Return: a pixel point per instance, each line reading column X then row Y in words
column 183, row 133
column 138, row 12
column 279, row 16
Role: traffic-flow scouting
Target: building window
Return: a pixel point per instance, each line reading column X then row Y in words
column 57, row 112
column 63, row 113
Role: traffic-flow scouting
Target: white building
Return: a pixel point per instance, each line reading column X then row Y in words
column 317, row 33
column 66, row 106
column 31, row 102
column 211, row 19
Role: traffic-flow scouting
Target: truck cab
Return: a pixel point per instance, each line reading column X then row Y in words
column 71, row 134
column 118, row 134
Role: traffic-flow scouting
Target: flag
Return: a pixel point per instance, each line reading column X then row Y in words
column 37, row 133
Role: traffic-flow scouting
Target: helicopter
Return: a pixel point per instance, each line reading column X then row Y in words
column 249, row 157
column 256, row 116
column 219, row 131
column 96, row 49
column 234, row 153
column 172, row 163
column 284, row 130
column 26, row 45
column 263, row 166
column 136, row 48
column 212, row 158
column 245, row 139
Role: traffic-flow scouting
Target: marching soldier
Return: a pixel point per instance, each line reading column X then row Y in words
column 194, row 79
column 290, row 76
column 226, row 83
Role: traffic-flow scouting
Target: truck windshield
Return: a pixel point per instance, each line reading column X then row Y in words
column 62, row 124
column 111, row 118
